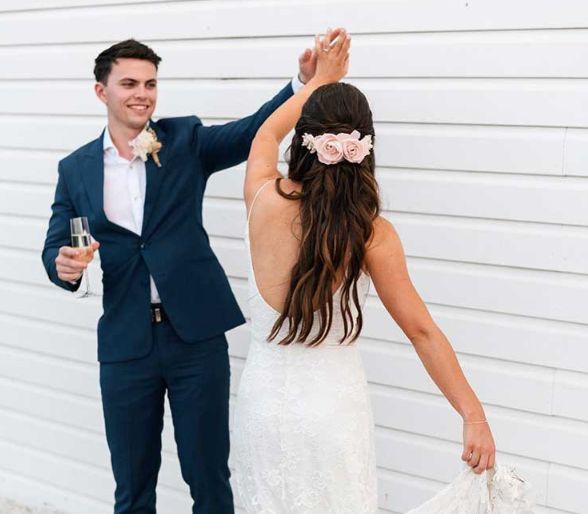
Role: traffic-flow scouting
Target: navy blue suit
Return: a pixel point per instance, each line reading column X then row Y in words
column 187, row 356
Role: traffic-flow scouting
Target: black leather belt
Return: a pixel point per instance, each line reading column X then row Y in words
column 158, row 315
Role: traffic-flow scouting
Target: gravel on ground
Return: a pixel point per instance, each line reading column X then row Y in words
column 11, row 507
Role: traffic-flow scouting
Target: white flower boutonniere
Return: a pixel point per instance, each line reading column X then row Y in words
column 146, row 143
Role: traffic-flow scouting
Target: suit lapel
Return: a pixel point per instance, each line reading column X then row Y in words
column 93, row 180
column 93, row 176
column 154, row 177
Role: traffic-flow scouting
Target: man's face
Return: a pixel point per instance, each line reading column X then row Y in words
column 130, row 94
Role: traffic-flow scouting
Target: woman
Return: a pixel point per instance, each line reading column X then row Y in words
column 303, row 433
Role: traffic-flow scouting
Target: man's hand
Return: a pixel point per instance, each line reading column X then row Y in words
column 306, row 65
column 71, row 262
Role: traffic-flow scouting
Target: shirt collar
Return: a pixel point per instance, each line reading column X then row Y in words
column 109, row 147
column 107, row 143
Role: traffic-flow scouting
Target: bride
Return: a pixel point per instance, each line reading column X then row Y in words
column 303, row 436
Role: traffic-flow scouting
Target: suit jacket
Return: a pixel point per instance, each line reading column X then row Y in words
column 173, row 247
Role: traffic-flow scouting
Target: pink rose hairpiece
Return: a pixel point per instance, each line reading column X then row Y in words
column 334, row 148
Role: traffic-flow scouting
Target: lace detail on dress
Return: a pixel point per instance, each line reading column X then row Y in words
column 303, row 433
column 498, row 491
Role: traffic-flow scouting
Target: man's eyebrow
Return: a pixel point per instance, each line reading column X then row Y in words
column 128, row 79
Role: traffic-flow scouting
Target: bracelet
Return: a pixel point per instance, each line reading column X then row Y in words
column 475, row 422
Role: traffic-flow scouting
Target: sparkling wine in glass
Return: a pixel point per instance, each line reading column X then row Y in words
column 81, row 239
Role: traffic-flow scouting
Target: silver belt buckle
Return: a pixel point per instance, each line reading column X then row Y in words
column 157, row 315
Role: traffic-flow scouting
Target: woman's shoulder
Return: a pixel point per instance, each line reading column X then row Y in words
column 384, row 233
column 383, row 228
column 281, row 192
column 268, row 202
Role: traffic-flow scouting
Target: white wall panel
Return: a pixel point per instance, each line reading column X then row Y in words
column 521, row 150
column 504, row 53
column 216, row 19
column 518, row 102
column 482, row 133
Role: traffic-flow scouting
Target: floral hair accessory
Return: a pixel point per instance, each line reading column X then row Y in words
column 333, row 148
column 146, row 143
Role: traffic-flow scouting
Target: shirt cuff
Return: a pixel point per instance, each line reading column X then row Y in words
column 296, row 84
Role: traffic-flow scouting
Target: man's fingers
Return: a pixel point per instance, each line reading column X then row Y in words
column 69, row 265
column 68, row 251
column 305, row 56
column 313, row 57
column 68, row 277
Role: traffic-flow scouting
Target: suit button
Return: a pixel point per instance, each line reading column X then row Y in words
column 142, row 246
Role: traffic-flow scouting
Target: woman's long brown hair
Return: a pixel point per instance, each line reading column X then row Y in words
column 338, row 205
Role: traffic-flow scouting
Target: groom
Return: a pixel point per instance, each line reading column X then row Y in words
column 167, row 302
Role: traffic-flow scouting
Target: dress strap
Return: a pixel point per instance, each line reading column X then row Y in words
column 255, row 197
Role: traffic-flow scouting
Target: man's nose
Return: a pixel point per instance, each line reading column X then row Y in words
column 140, row 92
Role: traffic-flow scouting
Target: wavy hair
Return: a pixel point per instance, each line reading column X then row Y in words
column 338, row 205
column 130, row 49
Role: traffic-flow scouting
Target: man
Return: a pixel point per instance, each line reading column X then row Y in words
column 167, row 301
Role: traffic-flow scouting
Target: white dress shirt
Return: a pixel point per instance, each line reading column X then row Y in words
column 124, row 189
column 124, row 193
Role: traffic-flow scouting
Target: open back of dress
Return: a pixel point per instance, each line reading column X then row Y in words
column 303, row 437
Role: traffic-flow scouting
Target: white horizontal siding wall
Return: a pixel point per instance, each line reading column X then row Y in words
column 481, row 113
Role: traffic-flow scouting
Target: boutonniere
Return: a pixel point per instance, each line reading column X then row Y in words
column 146, row 143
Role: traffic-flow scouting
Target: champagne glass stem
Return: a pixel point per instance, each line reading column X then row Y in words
column 87, row 281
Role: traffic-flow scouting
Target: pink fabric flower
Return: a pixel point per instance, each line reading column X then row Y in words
column 355, row 149
column 331, row 148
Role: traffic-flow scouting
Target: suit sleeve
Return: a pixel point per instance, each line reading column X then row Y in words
column 58, row 233
column 223, row 146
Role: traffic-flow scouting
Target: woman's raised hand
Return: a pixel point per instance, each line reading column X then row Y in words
column 332, row 53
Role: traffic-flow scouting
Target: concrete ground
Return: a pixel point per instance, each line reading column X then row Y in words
column 10, row 507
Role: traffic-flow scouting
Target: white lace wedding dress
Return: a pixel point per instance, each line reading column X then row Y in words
column 303, row 436
column 303, row 432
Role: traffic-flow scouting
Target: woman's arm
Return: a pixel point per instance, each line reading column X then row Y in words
column 387, row 267
column 332, row 54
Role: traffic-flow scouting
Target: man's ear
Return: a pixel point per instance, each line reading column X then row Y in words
column 99, row 89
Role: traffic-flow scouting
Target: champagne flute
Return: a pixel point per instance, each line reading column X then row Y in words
column 81, row 239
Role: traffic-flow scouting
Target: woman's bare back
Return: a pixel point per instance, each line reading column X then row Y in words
column 274, row 239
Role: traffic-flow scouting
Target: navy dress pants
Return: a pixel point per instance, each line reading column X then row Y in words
column 196, row 379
